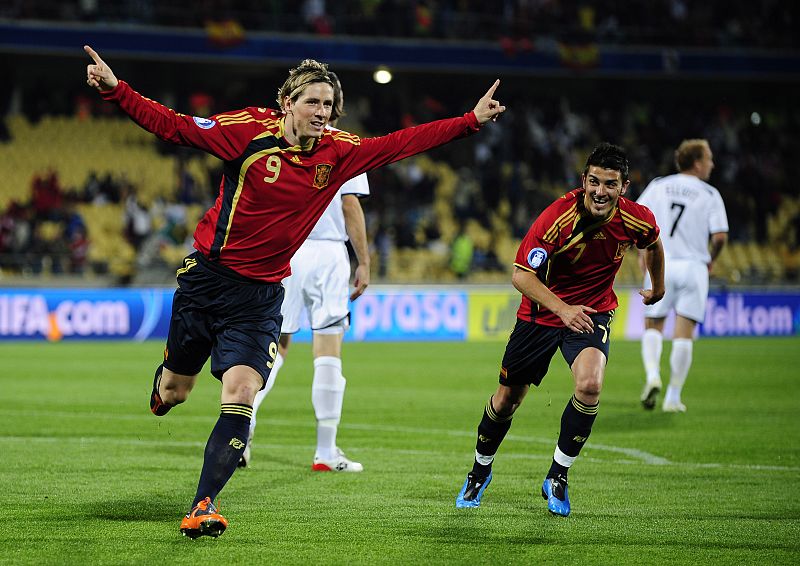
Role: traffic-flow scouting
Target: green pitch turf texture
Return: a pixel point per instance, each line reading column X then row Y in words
column 89, row 476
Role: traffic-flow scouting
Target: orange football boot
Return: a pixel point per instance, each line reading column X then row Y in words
column 203, row 520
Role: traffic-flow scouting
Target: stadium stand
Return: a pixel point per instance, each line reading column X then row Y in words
column 127, row 204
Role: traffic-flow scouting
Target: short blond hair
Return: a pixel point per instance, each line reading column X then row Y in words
column 689, row 152
column 308, row 72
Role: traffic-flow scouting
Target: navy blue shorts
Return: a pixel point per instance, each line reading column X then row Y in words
column 531, row 346
column 218, row 313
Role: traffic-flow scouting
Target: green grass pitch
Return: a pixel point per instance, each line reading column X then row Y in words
column 91, row 477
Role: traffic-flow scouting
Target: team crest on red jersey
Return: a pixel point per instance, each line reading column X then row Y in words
column 322, row 175
column 622, row 247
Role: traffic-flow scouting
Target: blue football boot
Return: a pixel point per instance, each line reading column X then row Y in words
column 555, row 491
column 472, row 490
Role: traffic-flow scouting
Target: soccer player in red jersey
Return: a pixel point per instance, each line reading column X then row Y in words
column 565, row 269
column 281, row 170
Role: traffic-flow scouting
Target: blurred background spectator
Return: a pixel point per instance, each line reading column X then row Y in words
column 82, row 190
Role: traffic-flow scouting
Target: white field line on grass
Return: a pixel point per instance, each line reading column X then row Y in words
column 635, row 456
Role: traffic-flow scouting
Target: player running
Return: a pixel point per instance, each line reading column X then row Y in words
column 565, row 269
column 281, row 170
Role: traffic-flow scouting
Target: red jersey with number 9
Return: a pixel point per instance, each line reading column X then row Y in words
column 272, row 193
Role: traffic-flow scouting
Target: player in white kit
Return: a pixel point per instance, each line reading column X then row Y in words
column 694, row 229
column 319, row 284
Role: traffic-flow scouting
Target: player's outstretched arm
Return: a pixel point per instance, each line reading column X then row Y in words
column 488, row 108
column 99, row 75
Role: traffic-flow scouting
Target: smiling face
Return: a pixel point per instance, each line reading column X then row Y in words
column 603, row 189
column 309, row 113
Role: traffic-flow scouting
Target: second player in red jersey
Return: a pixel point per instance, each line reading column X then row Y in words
column 577, row 255
column 565, row 271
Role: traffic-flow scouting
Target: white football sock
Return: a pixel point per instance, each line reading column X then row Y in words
column 680, row 360
column 562, row 459
column 652, row 344
column 327, row 396
column 261, row 395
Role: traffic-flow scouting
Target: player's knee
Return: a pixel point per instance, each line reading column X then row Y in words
column 240, row 385
column 588, row 389
column 504, row 407
column 506, row 400
column 174, row 392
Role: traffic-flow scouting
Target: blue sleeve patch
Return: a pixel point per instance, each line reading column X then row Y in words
column 204, row 123
column 536, row 257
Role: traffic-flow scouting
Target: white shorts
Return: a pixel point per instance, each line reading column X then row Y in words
column 686, row 284
column 319, row 283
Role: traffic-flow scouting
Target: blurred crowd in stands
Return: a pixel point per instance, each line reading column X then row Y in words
column 471, row 208
column 517, row 23
column 503, row 178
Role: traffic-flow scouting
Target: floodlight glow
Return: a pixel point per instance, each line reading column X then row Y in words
column 755, row 118
column 382, row 76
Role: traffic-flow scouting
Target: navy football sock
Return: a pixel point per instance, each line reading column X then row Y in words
column 491, row 432
column 576, row 426
column 223, row 450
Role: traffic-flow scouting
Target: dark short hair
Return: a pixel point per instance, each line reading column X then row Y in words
column 609, row 156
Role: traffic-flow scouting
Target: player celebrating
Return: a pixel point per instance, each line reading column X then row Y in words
column 319, row 284
column 565, row 270
column 692, row 214
column 281, row 170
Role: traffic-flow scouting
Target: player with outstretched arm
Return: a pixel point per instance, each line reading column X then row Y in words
column 282, row 167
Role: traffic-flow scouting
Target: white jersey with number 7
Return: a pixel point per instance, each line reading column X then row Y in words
column 688, row 211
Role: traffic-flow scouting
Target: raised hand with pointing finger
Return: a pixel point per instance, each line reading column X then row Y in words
column 488, row 108
column 100, row 74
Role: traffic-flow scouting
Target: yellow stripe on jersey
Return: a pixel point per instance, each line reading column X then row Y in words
column 575, row 238
column 560, row 222
column 635, row 223
column 224, row 117
column 242, row 173
column 269, row 122
column 552, row 233
column 524, row 267
column 343, row 134
column 238, row 121
column 355, row 140
column 228, row 119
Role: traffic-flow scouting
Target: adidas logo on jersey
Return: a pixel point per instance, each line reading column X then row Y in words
column 599, row 236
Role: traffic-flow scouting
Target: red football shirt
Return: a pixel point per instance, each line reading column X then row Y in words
column 273, row 193
column 578, row 257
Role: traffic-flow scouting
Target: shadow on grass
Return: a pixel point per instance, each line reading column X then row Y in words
column 545, row 529
column 135, row 509
column 635, row 419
